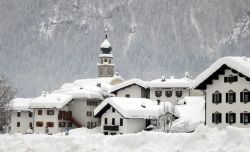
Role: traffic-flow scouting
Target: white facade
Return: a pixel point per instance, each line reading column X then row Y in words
column 133, row 91
column 22, row 122
column 128, row 126
column 83, row 112
column 173, row 98
column 223, row 107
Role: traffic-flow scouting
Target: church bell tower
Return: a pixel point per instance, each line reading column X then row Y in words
column 105, row 65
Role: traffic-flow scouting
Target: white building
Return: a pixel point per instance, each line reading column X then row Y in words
column 171, row 90
column 21, row 116
column 126, row 115
column 134, row 88
column 226, row 84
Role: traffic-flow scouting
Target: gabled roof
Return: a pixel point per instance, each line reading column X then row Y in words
column 129, row 107
column 128, row 83
column 239, row 64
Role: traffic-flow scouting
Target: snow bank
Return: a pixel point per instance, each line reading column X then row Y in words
column 82, row 140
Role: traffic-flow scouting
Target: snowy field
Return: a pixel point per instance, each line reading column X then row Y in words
column 82, row 140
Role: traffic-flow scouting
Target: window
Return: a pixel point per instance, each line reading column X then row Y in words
column 127, row 95
column 109, row 61
column 89, row 113
column 121, row 122
column 50, row 112
column 50, row 124
column 230, row 79
column 178, row 94
column 18, row 114
column 216, row 97
column 106, row 121
column 113, row 121
column 70, row 124
column 92, row 103
column 113, row 109
column 31, row 126
column 230, row 97
column 61, row 124
column 40, row 112
column 245, row 117
column 105, row 60
column 88, row 125
column 30, row 114
column 230, row 117
column 216, row 117
column 106, row 133
column 245, row 96
column 168, row 93
column 39, row 124
column 18, row 124
column 158, row 93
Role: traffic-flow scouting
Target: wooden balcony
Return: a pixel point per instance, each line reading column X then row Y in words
column 111, row 128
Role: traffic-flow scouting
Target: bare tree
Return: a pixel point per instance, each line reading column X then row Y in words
column 6, row 94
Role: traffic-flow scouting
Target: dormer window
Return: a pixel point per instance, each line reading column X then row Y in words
column 158, row 93
column 216, row 97
column 230, row 97
column 245, row 96
column 230, row 79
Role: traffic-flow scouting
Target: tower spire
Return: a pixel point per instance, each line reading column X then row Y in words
column 106, row 33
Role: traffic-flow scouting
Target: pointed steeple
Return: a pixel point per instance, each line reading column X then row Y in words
column 106, row 46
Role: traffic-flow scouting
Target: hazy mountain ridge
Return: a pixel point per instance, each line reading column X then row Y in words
column 47, row 43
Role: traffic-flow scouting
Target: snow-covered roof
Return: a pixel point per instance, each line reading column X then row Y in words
column 241, row 64
column 130, row 107
column 53, row 100
column 20, row 104
column 130, row 82
column 92, row 88
column 170, row 83
column 105, row 44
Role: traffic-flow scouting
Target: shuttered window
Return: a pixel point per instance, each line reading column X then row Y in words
column 168, row 93
column 178, row 94
column 245, row 96
column 158, row 93
column 216, row 117
column 216, row 97
column 245, row 118
column 230, row 117
column 230, row 97
column 230, row 79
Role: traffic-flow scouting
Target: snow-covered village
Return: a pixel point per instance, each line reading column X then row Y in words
column 116, row 76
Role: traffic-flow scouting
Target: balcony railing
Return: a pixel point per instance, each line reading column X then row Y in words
column 111, row 128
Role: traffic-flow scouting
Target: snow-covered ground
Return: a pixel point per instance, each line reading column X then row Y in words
column 83, row 140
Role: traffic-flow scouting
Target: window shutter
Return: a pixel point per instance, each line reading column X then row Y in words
column 248, row 115
column 241, row 96
column 241, row 117
column 219, row 97
column 226, row 117
column 219, row 119
column 226, row 97
column 235, row 78
column 248, row 95
column 234, row 97
column 225, row 79
column 213, row 117
column 234, row 117
column 213, row 99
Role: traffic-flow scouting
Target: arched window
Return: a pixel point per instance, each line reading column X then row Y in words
column 245, row 96
column 230, row 97
column 216, row 97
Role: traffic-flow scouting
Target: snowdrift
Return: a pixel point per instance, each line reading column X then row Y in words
column 84, row 140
